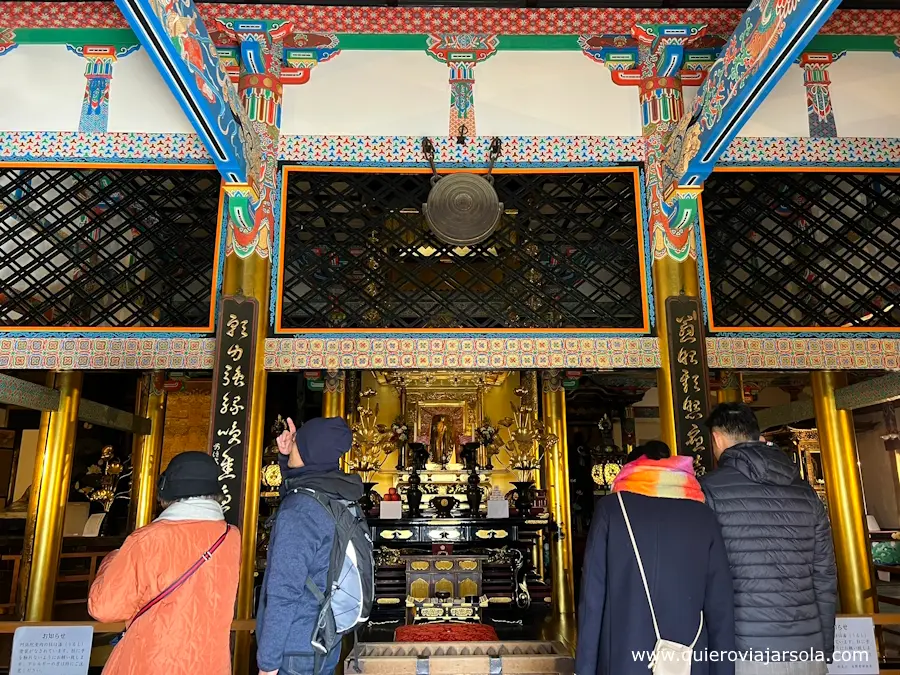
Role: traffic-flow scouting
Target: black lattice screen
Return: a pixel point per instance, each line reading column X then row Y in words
column 358, row 254
column 119, row 248
column 803, row 249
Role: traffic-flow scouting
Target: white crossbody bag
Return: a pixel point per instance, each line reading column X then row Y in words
column 669, row 658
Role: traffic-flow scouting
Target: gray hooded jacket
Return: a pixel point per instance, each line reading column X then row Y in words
column 778, row 540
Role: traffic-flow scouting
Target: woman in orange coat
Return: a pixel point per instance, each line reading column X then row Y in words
column 187, row 631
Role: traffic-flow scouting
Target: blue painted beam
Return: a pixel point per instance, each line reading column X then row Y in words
column 769, row 38
column 179, row 45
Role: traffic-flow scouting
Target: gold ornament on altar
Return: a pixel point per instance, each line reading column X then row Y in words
column 371, row 441
column 524, row 438
column 103, row 478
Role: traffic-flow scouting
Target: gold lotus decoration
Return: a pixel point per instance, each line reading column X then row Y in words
column 371, row 441
column 103, row 480
column 524, row 438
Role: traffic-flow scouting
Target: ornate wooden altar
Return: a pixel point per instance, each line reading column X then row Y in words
column 487, row 563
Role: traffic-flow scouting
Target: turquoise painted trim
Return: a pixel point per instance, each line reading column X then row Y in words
column 190, row 69
column 743, row 77
column 648, row 255
column 416, row 42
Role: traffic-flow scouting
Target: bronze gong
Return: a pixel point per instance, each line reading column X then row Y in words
column 462, row 209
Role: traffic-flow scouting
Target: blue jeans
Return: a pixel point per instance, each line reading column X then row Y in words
column 304, row 664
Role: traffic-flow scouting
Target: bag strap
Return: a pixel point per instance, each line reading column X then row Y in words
column 179, row 582
column 637, row 555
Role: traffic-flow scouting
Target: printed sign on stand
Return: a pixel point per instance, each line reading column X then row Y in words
column 855, row 648
column 51, row 650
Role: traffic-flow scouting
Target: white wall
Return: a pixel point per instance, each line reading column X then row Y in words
column 41, row 89
column 406, row 93
column 879, row 474
column 25, row 465
column 865, row 94
column 139, row 99
column 783, row 111
column 552, row 94
column 371, row 93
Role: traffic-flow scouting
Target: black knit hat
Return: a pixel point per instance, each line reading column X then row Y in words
column 190, row 474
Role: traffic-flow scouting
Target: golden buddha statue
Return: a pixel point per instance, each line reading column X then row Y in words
column 441, row 439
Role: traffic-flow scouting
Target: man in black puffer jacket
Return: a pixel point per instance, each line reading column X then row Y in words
column 779, row 546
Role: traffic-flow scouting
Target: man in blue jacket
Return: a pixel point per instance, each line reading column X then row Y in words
column 301, row 547
column 779, row 547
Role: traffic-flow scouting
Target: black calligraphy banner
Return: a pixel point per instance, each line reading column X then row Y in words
column 231, row 393
column 690, row 379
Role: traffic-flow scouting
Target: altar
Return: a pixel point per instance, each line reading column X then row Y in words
column 457, row 537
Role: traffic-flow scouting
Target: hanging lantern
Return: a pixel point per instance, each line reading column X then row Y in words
column 607, row 458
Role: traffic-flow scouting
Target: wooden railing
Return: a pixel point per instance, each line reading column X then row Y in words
column 86, row 577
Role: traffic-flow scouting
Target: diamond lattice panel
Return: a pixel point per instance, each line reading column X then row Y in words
column 107, row 248
column 358, row 254
column 803, row 249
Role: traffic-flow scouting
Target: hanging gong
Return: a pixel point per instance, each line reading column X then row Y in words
column 462, row 209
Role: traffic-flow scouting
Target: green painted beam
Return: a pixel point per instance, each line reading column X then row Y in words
column 123, row 37
column 851, row 43
column 113, row 37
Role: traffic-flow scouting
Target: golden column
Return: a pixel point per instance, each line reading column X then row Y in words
column 334, row 403
column 248, row 272
column 148, row 450
column 732, row 387
column 250, row 277
column 843, row 491
column 672, row 233
column 49, row 494
column 557, row 485
column 334, row 396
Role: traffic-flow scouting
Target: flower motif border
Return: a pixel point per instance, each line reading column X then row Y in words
column 405, row 151
column 460, row 351
column 774, row 353
column 335, row 351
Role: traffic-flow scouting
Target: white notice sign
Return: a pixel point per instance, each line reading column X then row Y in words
column 855, row 649
column 52, row 650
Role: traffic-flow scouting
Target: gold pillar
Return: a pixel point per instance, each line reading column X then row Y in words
column 49, row 494
column 334, row 396
column 843, row 490
column 250, row 277
column 529, row 380
column 557, row 486
column 149, row 449
column 334, row 403
column 670, row 278
column 732, row 388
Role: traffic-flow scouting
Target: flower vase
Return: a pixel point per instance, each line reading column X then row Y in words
column 414, row 494
column 365, row 502
column 524, row 496
column 473, row 494
column 487, row 466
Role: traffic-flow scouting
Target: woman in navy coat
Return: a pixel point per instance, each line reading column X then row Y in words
column 685, row 563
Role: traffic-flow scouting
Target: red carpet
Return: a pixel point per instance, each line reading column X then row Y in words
column 446, row 632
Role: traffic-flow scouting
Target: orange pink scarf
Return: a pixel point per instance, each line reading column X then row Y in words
column 671, row 478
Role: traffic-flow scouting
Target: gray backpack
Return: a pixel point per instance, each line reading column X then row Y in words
column 350, row 588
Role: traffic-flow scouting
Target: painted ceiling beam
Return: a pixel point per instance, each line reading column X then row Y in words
column 769, row 38
column 181, row 49
column 865, row 394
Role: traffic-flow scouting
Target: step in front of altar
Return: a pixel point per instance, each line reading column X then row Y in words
column 460, row 658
